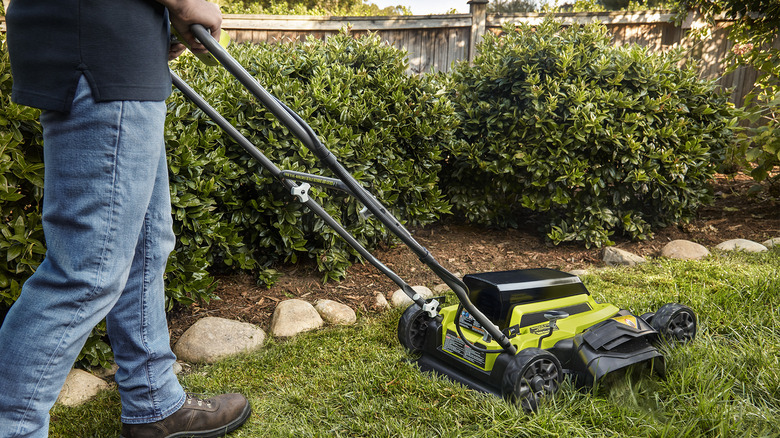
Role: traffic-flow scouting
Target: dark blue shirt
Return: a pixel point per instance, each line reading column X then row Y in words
column 121, row 46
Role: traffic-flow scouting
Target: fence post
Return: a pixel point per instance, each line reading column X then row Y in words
column 478, row 11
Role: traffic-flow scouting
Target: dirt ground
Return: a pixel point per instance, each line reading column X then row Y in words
column 464, row 249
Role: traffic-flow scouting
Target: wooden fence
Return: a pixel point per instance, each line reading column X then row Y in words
column 435, row 42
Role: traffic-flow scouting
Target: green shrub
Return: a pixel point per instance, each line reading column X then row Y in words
column 22, row 246
column 593, row 138
column 384, row 126
column 21, row 188
column 763, row 138
column 754, row 32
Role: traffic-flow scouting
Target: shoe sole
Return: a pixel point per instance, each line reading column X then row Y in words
column 215, row 433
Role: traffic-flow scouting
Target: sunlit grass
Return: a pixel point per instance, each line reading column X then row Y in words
column 357, row 381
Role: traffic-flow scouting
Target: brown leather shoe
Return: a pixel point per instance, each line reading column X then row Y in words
column 199, row 418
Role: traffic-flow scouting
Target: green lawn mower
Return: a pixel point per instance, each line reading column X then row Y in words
column 516, row 333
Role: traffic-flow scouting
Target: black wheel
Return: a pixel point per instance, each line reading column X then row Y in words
column 675, row 323
column 412, row 328
column 532, row 374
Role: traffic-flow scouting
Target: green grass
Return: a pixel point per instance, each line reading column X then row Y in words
column 357, row 381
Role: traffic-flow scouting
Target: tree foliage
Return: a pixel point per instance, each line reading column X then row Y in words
column 512, row 6
column 309, row 4
column 310, row 7
column 755, row 35
column 618, row 5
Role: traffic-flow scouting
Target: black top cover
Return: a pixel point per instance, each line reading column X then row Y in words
column 496, row 293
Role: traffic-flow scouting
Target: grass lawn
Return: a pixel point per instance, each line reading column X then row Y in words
column 357, row 381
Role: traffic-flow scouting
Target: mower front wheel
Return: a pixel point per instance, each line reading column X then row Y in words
column 531, row 375
column 412, row 328
column 675, row 323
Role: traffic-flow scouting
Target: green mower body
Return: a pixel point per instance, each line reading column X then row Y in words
column 556, row 327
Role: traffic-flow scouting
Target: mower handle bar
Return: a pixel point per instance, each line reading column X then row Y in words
column 301, row 130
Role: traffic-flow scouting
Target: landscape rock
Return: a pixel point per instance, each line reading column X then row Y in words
column 211, row 339
column 440, row 288
column 741, row 245
column 294, row 316
column 773, row 242
column 578, row 272
column 80, row 386
column 336, row 313
column 684, row 250
column 618, row 257
column 400, row 299
column 380, row 302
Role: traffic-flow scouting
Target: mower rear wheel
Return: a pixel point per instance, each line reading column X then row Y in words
column 412, row 328
column 531, row 375
column 675, row 323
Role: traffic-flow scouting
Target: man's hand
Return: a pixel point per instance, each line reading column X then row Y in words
column 185, row 13
column 175, row 50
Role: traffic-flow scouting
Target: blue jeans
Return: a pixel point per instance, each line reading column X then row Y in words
column 108, row 227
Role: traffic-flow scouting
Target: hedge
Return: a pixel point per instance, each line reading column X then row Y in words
column 21, row 188
column 385, row 127
column 560, row 125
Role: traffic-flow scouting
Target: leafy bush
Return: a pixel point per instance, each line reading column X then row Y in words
column 594, row 138
column 22, row 246
column 763, row 139
column 21, row 188
column 385, row 127
column 754, row 32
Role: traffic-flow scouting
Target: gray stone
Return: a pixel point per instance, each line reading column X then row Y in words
column 380, row 302
column 336, row 313
column 578, row 272
column 294, row 316
column 211, row 339
column 440, row 288
column 80, row 386
column 773, row 242
column 684, row 250
column 741, row 245
column 619, row 257
column 400, row 299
